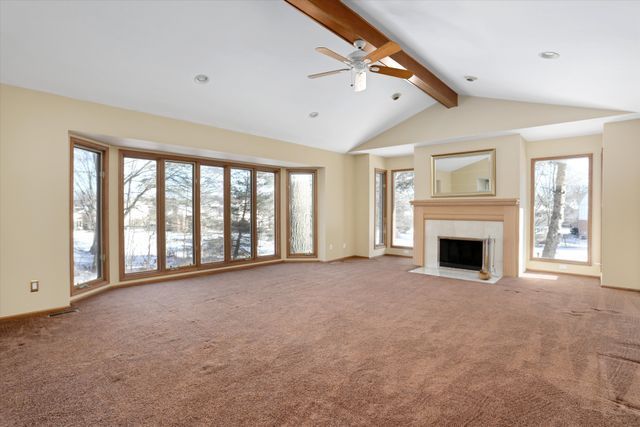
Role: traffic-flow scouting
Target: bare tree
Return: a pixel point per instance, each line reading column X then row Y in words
column 553, row 231
column 241, row 192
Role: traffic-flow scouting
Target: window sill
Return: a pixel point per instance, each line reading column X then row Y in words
column 89, row 286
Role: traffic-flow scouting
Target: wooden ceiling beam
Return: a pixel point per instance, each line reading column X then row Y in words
column 348, row 25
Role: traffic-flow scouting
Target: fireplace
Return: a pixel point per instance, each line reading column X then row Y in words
column 463, row 253
column 479, row 218
column 462, row 248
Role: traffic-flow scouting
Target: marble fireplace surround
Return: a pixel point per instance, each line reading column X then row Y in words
column 477, row 209
column 464, row 229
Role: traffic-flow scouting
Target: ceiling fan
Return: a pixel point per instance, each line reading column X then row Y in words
column 359, row 62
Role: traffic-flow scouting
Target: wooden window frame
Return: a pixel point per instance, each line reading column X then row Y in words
column 314, row 173
column 195, row 183
column 393, row 194
column 198, row 224
column 104, row 214
column 589, row 262
column 254, row 231
column 160, row 158
column 276, row 201
column 384, row 225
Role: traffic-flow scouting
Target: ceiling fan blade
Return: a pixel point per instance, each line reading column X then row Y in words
column 332, row 54
column 327, row 73
column 387, row 49
column 393, row 72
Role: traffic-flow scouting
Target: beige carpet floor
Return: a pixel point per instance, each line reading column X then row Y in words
column 361, row 342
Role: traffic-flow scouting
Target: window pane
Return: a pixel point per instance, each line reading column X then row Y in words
column 140, row 225
column 380, row 178
column 402, row 227
column 240, row 214
column 301, row 213
column 87, row 209
column 266, row 213
column 561, row 209
column 178, row 208
column 212, row 213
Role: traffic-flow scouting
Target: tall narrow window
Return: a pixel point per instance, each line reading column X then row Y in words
column 140, row 215
column 561, row 206
column 88, row 225
column 379, row 213
column 402, row 211
column 301, row 221
column 178, row 216
column 241, row 212
column 211, row 214
column 266, row 213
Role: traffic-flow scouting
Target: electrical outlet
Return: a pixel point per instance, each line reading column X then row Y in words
column 330, row 246
column 344, row 246
column 562, row 266
column 35, row 286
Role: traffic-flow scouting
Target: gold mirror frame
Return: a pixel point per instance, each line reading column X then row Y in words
column 492, row 156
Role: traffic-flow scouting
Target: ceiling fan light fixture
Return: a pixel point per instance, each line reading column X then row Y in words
column 360, row 62
column 201, row 79
column 549, row 55
column 359, row 81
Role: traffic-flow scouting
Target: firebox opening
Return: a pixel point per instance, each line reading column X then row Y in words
column 466, row 254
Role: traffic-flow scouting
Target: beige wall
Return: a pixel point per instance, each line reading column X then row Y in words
column 363, row 214
column 591, row 144
column 476, row 118
column 621, row 205
column 34, row 185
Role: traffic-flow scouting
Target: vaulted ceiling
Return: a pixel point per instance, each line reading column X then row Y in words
column 499, row 42
column 143, row 56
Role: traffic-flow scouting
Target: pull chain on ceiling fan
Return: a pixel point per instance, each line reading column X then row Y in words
column 359, row 62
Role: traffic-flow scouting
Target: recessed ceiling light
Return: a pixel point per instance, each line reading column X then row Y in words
column 470, row 78
column 314, row 114
column 396, row 96
column 549, row 55
column 201, row 79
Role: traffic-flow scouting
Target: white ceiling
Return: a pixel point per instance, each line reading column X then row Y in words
column 143, row 55
column 499, row 42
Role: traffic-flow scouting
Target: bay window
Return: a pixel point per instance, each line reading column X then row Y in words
column 88, row 222
column 266, row 208
column 182, row 213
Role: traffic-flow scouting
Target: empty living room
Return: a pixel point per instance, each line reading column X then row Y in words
column 319, row 212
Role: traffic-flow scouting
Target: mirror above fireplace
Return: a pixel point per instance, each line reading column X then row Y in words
column 472, row 173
